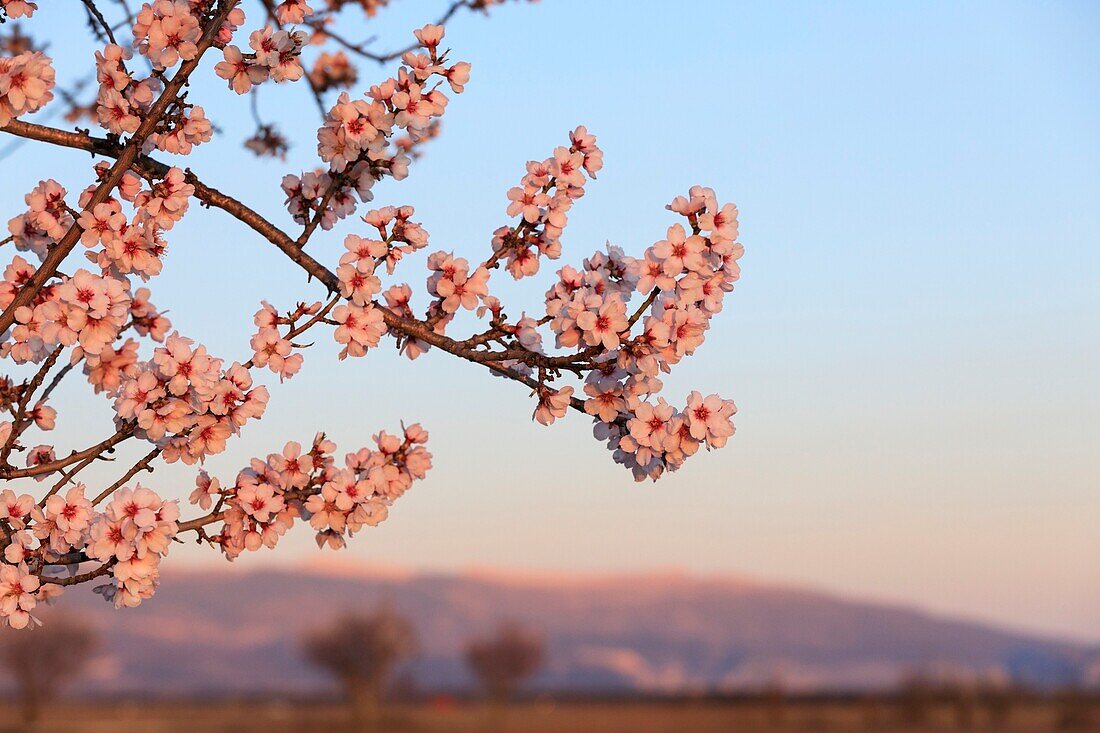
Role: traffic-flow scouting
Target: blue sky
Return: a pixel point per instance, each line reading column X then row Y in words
column 913, row 345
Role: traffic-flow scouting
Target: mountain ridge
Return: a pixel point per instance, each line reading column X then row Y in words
column 236, row 631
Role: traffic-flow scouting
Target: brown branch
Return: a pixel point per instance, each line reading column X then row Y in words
column 41, row 469
column 124, row 161
column 209, row 195
column 495, row 333
column 641, row 309
column 20, row 419
column 212, row 197
column 142, row 465
column 408, row 327
column 201, row 522
column 57, row 380
column 97, row 17
column 382, row 58
column 66, row 477
column 102, row 570
column 217, row 515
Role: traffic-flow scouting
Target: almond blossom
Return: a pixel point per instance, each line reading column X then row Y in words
column 25, row 84
column 598, row 343
column 17, row 595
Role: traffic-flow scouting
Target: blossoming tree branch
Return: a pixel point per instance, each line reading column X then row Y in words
column 77, row 300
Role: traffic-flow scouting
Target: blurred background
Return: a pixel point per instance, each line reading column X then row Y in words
column 902, row 534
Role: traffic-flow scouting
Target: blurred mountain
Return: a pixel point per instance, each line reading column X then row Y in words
column 226, row 631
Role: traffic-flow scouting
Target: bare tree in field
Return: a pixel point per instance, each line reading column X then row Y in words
column 915, row 698
column 502, row 662
column 361, row 651
column 41, row 664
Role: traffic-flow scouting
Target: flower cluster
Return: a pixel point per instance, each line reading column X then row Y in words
column 130, row 536
column 358, row 137
column 372, row 479
column 275, row 57
column 589, row 306
column 166, row 32
column 269, row 495
column 682, row 279
column 85, row 309
column 122, row 100
column 186, row 402
column 452, row 283
column 333, row 71
column 272, row 349
column 18, row 595
column 134, row 244
column 685, row 276
column 542, row 201
column 129, row 244
column 46, row 220
column 25, row 82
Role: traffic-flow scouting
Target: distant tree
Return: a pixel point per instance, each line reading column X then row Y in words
column 1074, row 710
column 502, row 662
column 964, row 701
column 41, row 664
column 361, row 651
column 999, row 700
column 915, row 699
column 774, row 699
column 871, row 712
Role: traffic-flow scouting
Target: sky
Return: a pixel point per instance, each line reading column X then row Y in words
column 913, row 345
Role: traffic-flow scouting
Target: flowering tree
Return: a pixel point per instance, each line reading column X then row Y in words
column 617, row 322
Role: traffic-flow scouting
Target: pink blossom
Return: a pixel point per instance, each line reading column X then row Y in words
column 273, row 351
column 17, row 595
column 358, row 329
column 553, row 404
column 207, row 490
column 25, row 84
column 292, row 11
column 16, row 509
column 167, row 32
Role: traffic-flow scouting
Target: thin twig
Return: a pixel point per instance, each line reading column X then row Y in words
column 142, row 465
column 93, row 11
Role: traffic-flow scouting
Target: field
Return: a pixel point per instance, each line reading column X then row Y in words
column 683, row 716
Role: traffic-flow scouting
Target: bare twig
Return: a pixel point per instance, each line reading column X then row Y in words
column 97, row 17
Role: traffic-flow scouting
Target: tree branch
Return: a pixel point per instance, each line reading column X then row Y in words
column 97, row 17
column 124, row 161
column 8, row 472
column 212, row 197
